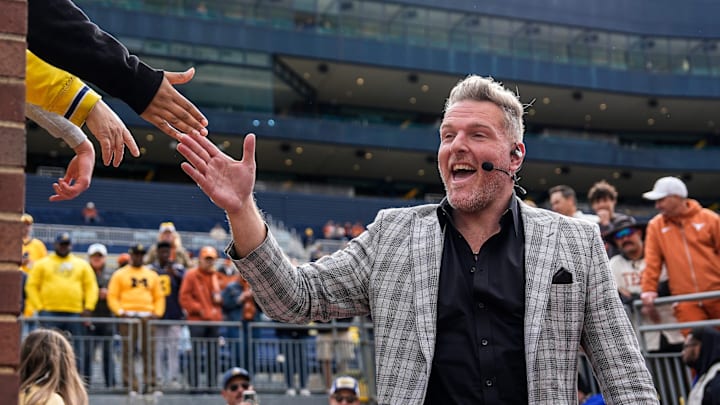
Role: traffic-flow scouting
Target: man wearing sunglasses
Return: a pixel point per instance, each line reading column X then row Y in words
column 235, row 382
column 626, row 235
column 345, row 390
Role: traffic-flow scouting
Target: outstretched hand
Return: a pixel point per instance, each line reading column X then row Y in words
column 112, row 134
column 228, row 182
column 171, row 112
column 78, row 174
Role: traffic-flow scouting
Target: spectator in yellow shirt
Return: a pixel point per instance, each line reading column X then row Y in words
column 33, row 249
column 135, row 292
column 63, row 285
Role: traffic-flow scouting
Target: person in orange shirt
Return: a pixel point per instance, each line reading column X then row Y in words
column 200, row 298
column 90, row 213
column 357, row 229
column 685, row 237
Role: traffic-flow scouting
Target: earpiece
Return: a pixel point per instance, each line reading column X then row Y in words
column 517, row 152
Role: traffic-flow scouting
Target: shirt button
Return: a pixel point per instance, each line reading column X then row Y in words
column 481, row 305
column 484, row 342
column 472, row 269
column 488, row 383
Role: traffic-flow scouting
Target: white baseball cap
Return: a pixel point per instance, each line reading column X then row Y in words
column 666, row 186
column 167, row 227
column 345, row 383
column 96, row 248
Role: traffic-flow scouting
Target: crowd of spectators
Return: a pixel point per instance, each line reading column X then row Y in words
column 342, row 231
column 148, row 283
column 163, row 281
column 674, row 253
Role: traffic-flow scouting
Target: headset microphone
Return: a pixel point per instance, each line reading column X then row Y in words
column 489, row 166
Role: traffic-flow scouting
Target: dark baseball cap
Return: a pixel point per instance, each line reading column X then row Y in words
column 139, row 248
column 63, row 237
column 232, row 373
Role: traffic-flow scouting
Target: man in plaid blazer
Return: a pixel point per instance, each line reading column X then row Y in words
column 552, row 268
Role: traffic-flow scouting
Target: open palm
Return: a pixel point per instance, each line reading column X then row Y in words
column 78, row 174
column 228, row 182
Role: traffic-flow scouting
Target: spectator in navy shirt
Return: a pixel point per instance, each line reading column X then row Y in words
column 167, row 336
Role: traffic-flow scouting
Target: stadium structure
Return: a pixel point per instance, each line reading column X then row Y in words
column 346, row 95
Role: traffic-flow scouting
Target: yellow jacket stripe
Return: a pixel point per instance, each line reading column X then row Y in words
column 58, row 91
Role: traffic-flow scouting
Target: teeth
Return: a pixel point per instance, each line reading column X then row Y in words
column 462, row 167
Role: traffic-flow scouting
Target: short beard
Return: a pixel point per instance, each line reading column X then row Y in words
column 692, row 364
column 478, row 200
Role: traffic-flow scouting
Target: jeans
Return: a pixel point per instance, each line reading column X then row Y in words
column 72, row 329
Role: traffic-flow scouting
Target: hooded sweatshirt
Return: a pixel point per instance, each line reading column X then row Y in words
column 706, row 390
column 690, row 247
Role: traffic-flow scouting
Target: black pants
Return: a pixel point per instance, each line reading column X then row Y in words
column 205, row 355
column 101, row 335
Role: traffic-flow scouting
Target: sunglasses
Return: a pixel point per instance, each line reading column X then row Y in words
column 625, row 232
column 341, row 398
column 235, row 387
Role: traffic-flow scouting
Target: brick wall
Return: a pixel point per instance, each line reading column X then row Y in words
column 13, row 26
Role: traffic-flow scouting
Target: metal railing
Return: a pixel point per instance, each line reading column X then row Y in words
column 280, row 356
column 672, row 378
column 117, row 355
column 104, row 375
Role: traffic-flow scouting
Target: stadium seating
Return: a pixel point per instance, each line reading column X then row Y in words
column 143, row 205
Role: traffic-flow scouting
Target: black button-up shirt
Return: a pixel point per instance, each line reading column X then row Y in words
column 480, row 349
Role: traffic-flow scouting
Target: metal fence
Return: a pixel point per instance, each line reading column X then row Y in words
column 117, row 355
column 190, row 357
column 672, row 379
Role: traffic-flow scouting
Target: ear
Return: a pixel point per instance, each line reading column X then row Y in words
column 517, row 155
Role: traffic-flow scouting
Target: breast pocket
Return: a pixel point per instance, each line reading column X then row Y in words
column 564, row 317
column 566, row 303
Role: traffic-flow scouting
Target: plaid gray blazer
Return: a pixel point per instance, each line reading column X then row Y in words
column 391, row 271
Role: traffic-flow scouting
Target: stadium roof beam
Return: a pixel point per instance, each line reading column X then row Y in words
column 293, row 80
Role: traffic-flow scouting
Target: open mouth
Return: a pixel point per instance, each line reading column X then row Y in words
column 462, row 171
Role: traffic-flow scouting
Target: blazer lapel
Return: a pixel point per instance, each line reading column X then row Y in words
column 427, row 243
column 540, row 251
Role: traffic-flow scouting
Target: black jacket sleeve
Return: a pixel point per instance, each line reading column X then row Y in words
column 61, row 34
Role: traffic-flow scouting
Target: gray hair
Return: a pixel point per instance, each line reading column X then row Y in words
column 480, row 88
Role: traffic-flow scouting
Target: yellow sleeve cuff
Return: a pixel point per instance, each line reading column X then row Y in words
column 87, row 102
column 58, row 91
